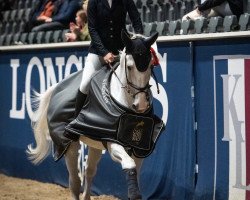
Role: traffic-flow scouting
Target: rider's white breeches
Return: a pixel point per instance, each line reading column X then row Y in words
column 93, row 63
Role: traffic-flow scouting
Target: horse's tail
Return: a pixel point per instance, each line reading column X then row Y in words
column 40, row 128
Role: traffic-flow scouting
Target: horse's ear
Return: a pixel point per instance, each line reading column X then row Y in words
column 150, row 40
column 126, row 39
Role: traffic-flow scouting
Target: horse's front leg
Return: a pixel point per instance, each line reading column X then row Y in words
column 118, row 154
column 138, row 162
column 94, row 156
column 71, row 158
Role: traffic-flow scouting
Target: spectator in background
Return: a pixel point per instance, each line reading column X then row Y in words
column 63, row 13
column 42, row 11
column 211, row 8
column 7, row 5
column 78, row 31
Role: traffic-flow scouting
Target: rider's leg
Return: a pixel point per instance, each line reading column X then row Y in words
column 118, row 154
column 80, row 99
column 92, row 64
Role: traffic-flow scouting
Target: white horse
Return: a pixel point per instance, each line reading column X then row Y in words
column 129, row 86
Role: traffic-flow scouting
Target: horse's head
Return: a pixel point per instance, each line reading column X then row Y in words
column 137, row 58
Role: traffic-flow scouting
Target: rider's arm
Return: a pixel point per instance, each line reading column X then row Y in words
column 92, row 24
column 134, row 16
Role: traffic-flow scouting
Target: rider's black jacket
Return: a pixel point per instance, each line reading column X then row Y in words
column 105, row 24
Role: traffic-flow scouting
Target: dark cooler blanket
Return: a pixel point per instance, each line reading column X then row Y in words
column 61, row 111
column 100, row 117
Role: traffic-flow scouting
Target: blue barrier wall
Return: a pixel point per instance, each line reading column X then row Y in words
column 193, row 157
column 221, row 117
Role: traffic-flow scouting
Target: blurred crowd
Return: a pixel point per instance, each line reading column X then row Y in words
column 51, row 15
column 71, row 15
column 61, row 14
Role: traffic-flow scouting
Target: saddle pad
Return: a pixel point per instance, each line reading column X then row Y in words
column 135, row 131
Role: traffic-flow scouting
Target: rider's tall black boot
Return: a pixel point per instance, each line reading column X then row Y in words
column 80, row 100
column 133, row 188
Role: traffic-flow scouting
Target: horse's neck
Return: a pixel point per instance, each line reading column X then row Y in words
column 116, row 87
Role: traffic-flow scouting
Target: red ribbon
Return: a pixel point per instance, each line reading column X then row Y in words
column 155, row 58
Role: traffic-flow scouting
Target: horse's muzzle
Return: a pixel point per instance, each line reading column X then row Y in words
column 141, row 103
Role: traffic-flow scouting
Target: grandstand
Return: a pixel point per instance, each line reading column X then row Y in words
column 163, row 16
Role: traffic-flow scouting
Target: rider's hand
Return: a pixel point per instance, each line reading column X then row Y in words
column 109, row 58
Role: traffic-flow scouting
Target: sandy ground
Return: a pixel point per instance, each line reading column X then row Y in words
column 24, row 189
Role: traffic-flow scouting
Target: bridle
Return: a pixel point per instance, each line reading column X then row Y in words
column 129, row 84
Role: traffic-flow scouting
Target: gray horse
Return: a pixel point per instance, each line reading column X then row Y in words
column 135, row 128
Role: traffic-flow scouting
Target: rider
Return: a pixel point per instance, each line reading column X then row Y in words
column 106, row 20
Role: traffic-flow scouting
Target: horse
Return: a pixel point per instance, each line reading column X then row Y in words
column 129, row 88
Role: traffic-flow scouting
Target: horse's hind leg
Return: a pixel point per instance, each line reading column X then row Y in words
column 71, row 158
column 94, row 156
column 118, row 154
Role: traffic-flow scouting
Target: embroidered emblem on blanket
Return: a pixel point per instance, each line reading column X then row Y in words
column 105, row 95
column 137, row 132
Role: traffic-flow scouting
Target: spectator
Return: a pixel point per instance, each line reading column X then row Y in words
column 78, row 31
column 63, row 13
column 211, row 8
column 44, row 9
column 7, row 5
